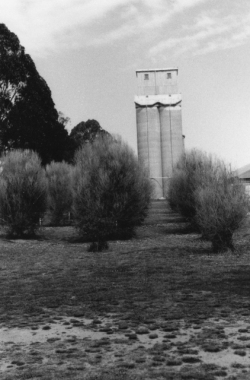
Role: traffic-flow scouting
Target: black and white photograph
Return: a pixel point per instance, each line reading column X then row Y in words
column 124, row 190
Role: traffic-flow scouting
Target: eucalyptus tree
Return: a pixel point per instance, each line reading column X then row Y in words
column 84, row 132
column 28, row 117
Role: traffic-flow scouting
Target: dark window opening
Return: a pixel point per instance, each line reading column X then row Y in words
column 146, row 77
column 169, row 75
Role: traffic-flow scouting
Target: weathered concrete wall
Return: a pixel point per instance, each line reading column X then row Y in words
column 159, row 125
column 157, row 82
column 171, row 142
column 149, row 145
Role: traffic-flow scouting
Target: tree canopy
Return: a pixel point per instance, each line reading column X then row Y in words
column 85, row 132
column 28, row 117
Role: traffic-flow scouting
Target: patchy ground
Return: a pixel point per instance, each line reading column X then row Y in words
column 160, row 306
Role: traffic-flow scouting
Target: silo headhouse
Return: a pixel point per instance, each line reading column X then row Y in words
column 159, row 124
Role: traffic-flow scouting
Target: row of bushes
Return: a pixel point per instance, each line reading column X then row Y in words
column 204, row 190
column 106, row 190
column 108, row 193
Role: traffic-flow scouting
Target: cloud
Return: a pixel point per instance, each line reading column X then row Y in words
column 44, row 26
column 146, row 18
column 209, row 33
column 181, row 5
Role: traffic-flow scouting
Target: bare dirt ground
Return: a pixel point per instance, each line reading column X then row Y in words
column 159, row 306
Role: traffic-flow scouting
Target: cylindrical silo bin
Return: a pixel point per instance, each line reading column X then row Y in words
column 172, row 141
column 177, row 137
column 142, row 136
column 149, row 145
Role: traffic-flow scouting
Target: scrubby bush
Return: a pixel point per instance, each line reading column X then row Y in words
column 193, row 170
column 59, row 179
column 23, row 192
column 111, row 191
column 221, row 207
column 204, row 191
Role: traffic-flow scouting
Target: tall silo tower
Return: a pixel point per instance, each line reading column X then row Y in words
column 159, row 124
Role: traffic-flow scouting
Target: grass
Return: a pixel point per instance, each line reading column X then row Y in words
column 166, row 273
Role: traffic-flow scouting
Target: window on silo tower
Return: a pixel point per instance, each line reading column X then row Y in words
column 169, row 76
column 146, row 77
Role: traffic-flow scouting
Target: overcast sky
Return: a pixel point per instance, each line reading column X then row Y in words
column 88, row 51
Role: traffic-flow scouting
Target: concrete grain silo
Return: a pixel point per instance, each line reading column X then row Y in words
column 159, row 124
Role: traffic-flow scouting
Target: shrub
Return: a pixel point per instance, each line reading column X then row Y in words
column 193, row 170
column 221, row 207
column 59, row 179
column 23, row 193
column 204, row 191
column 111, row 191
